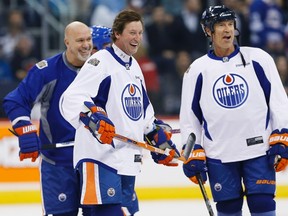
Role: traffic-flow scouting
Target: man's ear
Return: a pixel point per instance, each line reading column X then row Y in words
column 208, row 31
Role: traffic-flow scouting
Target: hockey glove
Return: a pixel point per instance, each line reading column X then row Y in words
column 278, row 152
column 160, row 139
column 28, row 140
column 196, row 164
column 98, row 123
column 166, row 127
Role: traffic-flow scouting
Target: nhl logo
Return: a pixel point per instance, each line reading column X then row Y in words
column 218, row 187
column 62, row 197
column 111, row 192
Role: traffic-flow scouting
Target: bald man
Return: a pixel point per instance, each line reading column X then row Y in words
column 44, row 84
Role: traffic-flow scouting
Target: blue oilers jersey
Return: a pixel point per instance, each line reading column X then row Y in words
column 44, row 84
column 232, row 105
column 114, row 81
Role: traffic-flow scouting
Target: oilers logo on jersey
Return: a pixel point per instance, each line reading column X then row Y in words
column 230, row 91
column 131, row 101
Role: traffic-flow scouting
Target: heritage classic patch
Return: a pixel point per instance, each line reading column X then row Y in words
column 93, row 61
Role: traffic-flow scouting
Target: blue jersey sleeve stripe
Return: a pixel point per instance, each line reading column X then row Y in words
column 146, row 101
column 195, row 106
column 102, row 95
column 265, row 85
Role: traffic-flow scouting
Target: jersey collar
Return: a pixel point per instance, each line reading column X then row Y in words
column 120, row 56
column 225, row 58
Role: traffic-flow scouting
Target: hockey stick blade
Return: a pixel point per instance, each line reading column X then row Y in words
column 189, row 145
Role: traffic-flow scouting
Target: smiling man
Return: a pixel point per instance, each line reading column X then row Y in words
column 44, row 84
column 234, row 102
column 110, row 94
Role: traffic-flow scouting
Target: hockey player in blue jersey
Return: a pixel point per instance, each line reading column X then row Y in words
column 44, row 84
column 108, row 96
column 234, row 102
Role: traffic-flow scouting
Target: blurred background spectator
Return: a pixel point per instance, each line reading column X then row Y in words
column 267, row 24
column 11, row 33
column 31, row 30
column 282, row 66
column 187, row 34
column 23, row 57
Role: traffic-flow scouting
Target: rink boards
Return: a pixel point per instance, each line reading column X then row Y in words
column 19, row 181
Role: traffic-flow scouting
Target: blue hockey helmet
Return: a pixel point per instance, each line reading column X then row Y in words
column 215, row 14
column 100, row 35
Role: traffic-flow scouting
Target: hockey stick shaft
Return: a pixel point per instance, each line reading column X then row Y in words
column 62, row 145
column 188, row 148
column 175, row 131
column 204, row 194
column 143, row 145
column 56, row 145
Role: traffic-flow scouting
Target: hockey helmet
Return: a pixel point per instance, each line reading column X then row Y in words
column 216, row 14
column 100, row 35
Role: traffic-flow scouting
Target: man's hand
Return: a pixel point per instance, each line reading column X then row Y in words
column 28, row 140
column 278, row 152
column 160, row 139
column 196, row 164
column 98, row 123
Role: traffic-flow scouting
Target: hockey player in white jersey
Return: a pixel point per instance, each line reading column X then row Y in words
column 109, row 96
column 234, row 102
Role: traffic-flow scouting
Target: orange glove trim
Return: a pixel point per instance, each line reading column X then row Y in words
column 28, row 129
column 32, row 155
column 281, row 165
column 169, row 158
column 198, row 154
column 278, row 138
column 107, row 132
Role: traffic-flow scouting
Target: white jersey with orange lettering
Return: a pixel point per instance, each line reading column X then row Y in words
column 114, row 81
column 233, row 104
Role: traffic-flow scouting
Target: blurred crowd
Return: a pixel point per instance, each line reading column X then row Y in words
column 173, row 37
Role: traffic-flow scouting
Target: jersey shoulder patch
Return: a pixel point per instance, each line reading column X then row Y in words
column 42, row 64
column 93, row 61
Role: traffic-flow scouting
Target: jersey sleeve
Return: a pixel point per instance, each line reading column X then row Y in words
column 190, row 112
column 278, row 103
column 19, row 102
column 84, row 87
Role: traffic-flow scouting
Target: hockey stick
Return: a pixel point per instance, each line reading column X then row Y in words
column 144, row 145
column 175, row 131
column 56, row 145
column 67, row 144
column 204, row 193
column 188, row 148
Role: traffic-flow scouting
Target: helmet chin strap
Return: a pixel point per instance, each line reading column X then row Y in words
column 238, row 43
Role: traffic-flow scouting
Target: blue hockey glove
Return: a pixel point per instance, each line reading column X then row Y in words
column 28, row 140
column 166, row 127
column 98, row 123
column 278, row 152
column 196, row 164
column 160, row 139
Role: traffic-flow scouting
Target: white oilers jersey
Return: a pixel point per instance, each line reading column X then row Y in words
column 119, row 88
column 232, row 108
